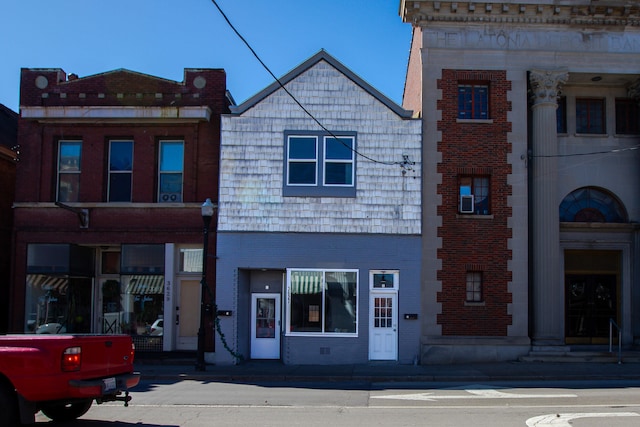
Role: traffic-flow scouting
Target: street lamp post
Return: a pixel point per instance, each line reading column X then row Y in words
column 207, row 214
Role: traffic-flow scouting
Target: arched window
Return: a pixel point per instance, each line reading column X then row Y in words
column 589, row 204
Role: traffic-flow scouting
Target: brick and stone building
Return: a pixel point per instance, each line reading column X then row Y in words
column 530, row 175
column 319, row 222
column 108, row 231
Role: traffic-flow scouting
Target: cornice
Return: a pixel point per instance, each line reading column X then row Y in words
column 422, row 13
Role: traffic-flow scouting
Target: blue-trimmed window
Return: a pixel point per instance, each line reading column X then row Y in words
column 320, row 164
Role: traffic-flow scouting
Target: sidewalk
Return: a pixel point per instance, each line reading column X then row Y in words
column 275, row 371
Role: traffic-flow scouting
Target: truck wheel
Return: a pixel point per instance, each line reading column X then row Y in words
column 67, row 412
column 8, row 406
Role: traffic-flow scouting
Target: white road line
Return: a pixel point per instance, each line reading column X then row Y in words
column 563, row 420
column 475, row 394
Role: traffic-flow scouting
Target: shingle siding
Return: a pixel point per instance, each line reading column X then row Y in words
column 252, row 162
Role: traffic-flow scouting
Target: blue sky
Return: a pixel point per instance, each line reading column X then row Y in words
column 162, row 37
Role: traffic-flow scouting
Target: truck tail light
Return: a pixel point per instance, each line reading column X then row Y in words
column 72, row 359
column 133, row 352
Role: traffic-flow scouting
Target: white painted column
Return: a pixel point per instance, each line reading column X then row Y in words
column 548, row 282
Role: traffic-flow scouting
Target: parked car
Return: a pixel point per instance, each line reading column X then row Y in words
column 61, row 375
column 157, row 328
column 51, row 328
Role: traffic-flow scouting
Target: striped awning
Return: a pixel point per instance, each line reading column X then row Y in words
column 47, row 283
column 145, row 285
column 306, row 282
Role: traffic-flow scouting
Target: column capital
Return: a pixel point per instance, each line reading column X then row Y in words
column 545, row 85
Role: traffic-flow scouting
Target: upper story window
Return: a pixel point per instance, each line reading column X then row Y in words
column 120, row 171
column 561, row 115
column 319, row 164
column 474, row 195
column 473, row 101
column 171, row 170
column 627, row 117
column 590, row 115
column 69, row 156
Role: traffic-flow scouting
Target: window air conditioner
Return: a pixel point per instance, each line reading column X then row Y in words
column 466, row 203
column 170, row 197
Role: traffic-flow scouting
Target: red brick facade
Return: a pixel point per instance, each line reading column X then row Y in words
column 474, row 242
column 118, row 105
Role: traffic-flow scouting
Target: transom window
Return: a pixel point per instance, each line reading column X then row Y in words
column 322, row 302
column 474, row 195
column 319, row 164
column 69, row 156
column 473, row 101
column 590, row 204
column 474, row 286
column 627, row 117
column 120, row 171
column 590, row 115
column 170, row 171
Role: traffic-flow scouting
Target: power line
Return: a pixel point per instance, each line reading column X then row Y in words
column 615, row 150
column 307, row 112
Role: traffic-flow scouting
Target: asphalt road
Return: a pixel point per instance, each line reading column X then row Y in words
column 190, row 403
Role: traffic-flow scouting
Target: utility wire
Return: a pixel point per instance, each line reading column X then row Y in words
column 616, row 150
column 290, row 94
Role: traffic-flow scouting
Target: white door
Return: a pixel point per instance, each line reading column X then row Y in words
column 383, row 326
column 188, row 315
column 265, row 326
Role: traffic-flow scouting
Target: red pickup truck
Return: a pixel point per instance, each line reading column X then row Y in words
column 61, row 375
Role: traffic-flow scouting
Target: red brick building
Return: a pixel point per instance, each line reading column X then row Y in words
column 108, row 231
column 8, row 156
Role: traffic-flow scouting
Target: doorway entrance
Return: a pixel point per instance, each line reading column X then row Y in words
column 383, row 327
column 591, row 301
column 265, row 326
column 188, row 319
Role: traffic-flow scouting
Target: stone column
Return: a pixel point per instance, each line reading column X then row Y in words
column 548, row 281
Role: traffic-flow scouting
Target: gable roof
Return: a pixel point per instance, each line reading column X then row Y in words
column 322, row 55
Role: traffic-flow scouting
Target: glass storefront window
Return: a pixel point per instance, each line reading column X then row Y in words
column 58, row 304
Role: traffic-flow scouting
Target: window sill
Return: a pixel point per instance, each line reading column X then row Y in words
column 474, row 304
column 591, row 135
column 473, row 216
column 477, row 121
column 626, row 135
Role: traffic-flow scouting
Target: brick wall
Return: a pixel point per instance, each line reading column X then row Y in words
column 474, row 242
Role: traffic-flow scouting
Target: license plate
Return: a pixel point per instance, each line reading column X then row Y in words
column 109, row 384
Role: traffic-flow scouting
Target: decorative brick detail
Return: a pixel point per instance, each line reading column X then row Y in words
column 468, row 243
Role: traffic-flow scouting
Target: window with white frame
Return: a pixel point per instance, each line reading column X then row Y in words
column 171, row 168
column 322, row 302
column 120, row 171
column 69, row 156
column 319, row 164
